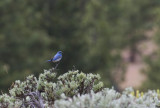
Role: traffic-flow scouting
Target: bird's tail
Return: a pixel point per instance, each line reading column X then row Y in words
column 48, row 60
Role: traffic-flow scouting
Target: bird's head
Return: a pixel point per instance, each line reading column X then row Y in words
column 59, row 52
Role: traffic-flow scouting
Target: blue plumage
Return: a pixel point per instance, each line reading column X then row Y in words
column 56, row 58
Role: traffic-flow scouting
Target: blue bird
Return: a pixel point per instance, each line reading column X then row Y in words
column 56, row 58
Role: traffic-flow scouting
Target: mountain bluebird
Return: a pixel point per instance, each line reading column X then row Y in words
column 56, row 58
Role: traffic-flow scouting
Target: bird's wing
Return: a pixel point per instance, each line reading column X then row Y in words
column 57, row 56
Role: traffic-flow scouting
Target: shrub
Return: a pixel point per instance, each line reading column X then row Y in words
column 43, row 91
column 109, row 98
column 73, row 89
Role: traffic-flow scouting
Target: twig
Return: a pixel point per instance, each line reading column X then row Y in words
column 36, row 100
column 57, row 65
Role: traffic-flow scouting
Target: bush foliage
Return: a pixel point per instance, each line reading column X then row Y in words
column 73, row 89
column 109, row 98
column 44, row 90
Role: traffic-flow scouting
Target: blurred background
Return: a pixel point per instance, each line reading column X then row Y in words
column 119, row 39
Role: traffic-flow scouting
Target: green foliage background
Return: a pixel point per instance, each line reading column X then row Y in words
column 88, row 32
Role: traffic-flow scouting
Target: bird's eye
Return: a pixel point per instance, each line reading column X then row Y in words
column 60, row 51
